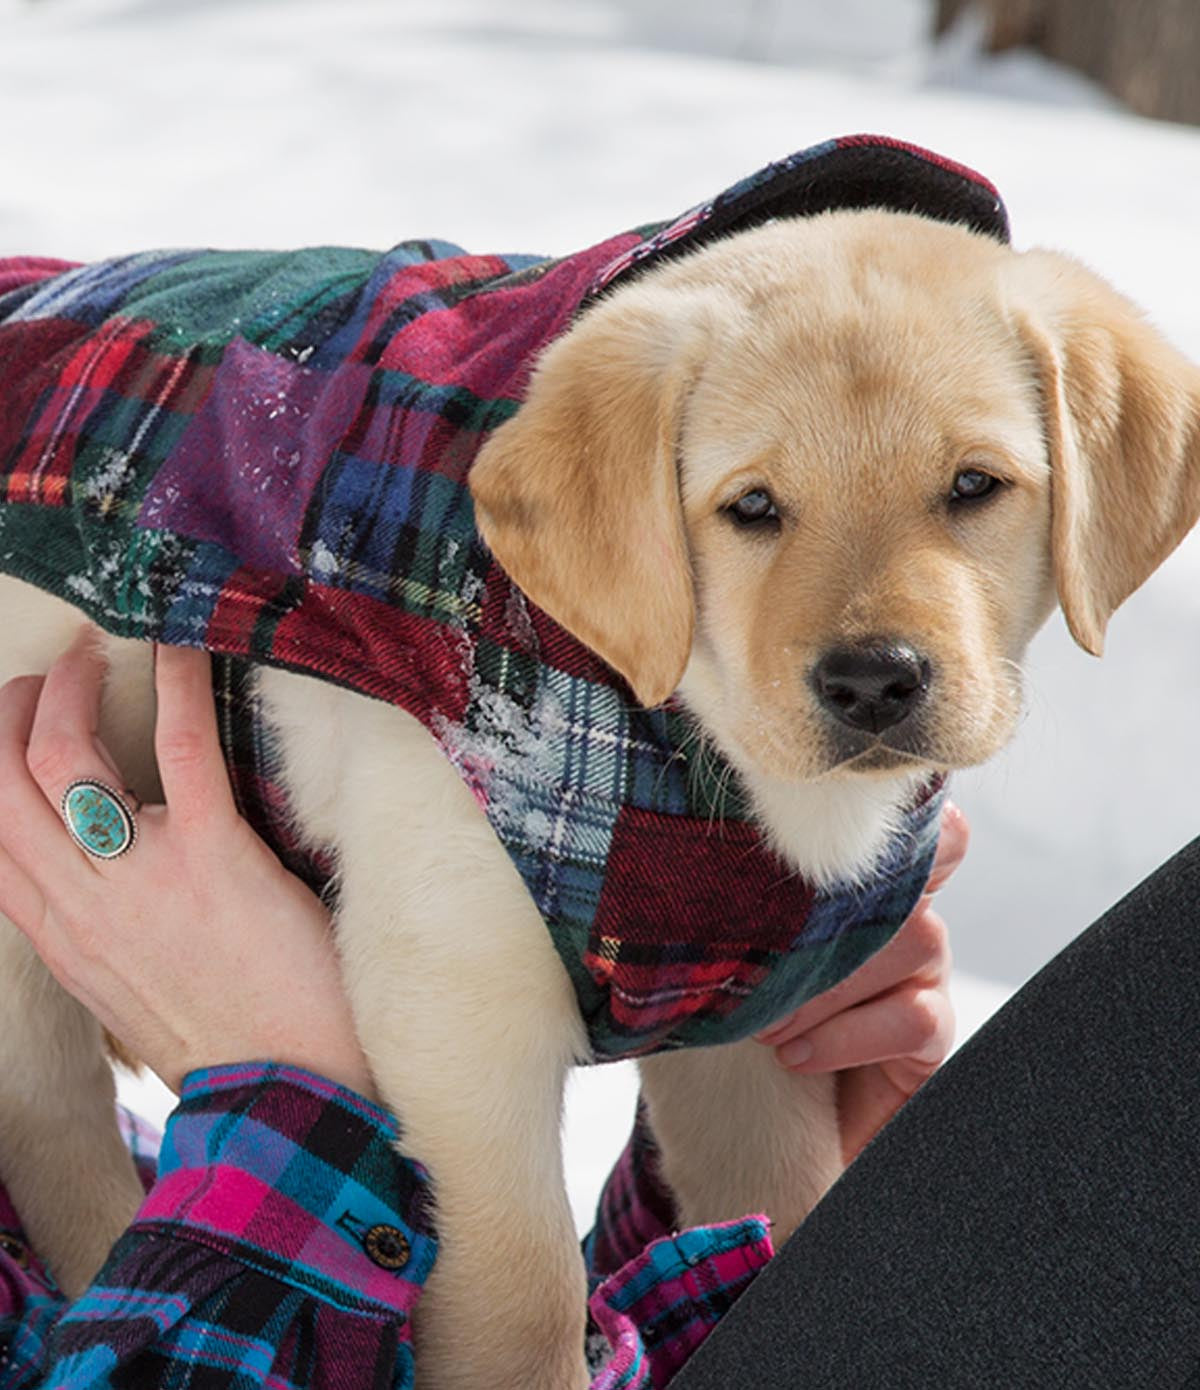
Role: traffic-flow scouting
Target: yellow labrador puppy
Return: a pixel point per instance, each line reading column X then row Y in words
column 815, row 483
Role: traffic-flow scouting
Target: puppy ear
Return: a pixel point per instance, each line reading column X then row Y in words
column 1121, row 411
column 577, row 495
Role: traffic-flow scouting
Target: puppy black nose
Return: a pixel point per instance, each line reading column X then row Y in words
column 872, row 685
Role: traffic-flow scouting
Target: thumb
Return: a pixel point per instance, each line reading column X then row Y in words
column 952, row 847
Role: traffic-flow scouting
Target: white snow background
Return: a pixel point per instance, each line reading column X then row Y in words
column 545, row 126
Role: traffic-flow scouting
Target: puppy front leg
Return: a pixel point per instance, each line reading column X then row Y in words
column 61, row 1155
column 470, row 1062
column 740, row 1134
column 469, row 1022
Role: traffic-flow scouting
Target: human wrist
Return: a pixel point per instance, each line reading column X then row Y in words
column 209, row 1088
column 346, row 1068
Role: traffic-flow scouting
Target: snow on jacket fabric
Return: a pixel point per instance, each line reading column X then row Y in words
column 266, row 454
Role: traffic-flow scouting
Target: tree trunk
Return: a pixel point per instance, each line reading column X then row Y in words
column 1147, row 52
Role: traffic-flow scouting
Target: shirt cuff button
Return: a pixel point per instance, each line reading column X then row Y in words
column 387, row 1247
column 15, row 1249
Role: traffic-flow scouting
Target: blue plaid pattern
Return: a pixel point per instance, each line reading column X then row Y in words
column 268, row 455
column 251, row 1261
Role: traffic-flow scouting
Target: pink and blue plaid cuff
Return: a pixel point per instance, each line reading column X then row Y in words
column 302, row 1176
column 286, row 1238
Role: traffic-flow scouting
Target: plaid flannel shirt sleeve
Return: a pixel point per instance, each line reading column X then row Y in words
column 657, row 1292
column 283, row 1244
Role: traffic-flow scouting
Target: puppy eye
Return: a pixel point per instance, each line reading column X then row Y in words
column 754, row 508
column 971, row 485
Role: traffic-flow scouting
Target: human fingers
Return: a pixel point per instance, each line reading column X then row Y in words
column 63, row 743
column 915, row 1022
column 159, row 950
column 918, row 954
column 186, row 743
column 919, row 949
column 27, row 907
column 953, row 840
column 868, row 1097
column 21, row 901
column 31, row 831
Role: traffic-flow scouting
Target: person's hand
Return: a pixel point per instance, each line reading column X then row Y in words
column 889, row 1026
column 194, row 949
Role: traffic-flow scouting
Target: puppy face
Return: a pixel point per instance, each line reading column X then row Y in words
column 866, row 498
column 826, row 478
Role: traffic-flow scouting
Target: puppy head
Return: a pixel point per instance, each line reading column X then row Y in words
column 826, row 477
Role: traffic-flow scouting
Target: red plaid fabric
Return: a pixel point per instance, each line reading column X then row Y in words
column 266, row 454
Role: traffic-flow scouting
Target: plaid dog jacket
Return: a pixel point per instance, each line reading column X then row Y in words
column 266, row 454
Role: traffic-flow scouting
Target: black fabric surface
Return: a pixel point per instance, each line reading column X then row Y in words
column 1030, row 1219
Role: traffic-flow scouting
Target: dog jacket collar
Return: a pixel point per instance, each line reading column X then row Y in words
column 267, row 455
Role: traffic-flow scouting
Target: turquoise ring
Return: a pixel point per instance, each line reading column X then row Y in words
column 99, row 819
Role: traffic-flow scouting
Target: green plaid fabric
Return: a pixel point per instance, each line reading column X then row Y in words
column 266, row 454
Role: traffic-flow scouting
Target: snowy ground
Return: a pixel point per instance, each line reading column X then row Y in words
column 547, row 125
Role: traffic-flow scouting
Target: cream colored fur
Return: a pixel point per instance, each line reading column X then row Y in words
column 851, row 364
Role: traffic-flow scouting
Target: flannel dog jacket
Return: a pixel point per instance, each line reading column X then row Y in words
column 266, row 455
